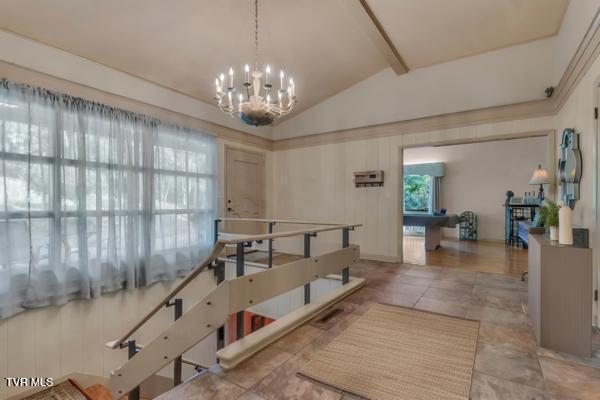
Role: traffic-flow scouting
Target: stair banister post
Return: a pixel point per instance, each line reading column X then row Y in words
column 131, row 352
column 177, row 363
column 271, row 224
column 345, row 243
column 216, row 238
column 307, row 237
column 220, row 278
column 239, row 271
column 307, row 255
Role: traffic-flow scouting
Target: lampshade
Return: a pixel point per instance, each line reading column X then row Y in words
column 540, row 177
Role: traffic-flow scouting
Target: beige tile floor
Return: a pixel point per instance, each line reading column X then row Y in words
column 508, row 365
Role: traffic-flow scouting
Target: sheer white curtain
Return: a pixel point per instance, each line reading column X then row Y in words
column 435, row 193
column 95, row 199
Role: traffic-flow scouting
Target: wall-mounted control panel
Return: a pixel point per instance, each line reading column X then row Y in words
column 368, row 178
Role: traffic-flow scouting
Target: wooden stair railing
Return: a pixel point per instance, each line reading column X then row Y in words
column 228, row 298
column 214, row 254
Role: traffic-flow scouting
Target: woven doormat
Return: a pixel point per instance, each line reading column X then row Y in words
column 394, row 352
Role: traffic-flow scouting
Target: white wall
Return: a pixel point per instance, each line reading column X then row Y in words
column 577, row 20
column 514, row 74
column 52, row 61
column 308, row 183
column 577, row 113
column 510, row 75
column 59, row 340
column 478, row 175
column 315, row 183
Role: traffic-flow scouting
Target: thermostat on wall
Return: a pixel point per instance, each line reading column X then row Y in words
column 368, row 178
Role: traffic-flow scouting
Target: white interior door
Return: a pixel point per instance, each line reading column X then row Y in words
column 245, row 190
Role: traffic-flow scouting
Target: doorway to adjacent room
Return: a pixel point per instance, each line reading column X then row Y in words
column 441, row 183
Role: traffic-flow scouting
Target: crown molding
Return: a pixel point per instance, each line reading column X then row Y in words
column 486, row 139
column 508, row 112
column 587, row 52
column 582, row 60
column 21, row 74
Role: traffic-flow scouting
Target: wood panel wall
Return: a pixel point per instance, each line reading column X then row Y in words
column 316, row 182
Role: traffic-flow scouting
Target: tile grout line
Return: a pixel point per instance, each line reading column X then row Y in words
column 514, row 383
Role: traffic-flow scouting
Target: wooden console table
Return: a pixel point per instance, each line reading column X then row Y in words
column 560, row 295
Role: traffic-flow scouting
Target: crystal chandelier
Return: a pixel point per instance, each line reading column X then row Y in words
column 253, row 102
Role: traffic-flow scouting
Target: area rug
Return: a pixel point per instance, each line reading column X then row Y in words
column 394, row 352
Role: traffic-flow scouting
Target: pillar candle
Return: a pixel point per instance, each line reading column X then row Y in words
column 565, row 225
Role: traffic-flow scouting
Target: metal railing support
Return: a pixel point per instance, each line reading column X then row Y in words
column 132, row 351
column 217, row 229
column 122, row 384
column 307, row 237
column 177, row 363
column 239, row 271
column 220, row 270
column 271, row 224
column 345, row 243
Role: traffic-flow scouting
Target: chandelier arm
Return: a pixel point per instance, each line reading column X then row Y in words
column 256, row 110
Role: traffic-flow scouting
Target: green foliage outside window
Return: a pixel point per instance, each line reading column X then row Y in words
column 416, row 192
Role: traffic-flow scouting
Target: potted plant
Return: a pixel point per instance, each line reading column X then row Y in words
column 549, row 214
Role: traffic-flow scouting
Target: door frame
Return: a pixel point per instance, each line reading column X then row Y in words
column 550, row 134
column 263, row 208
column 595, row 232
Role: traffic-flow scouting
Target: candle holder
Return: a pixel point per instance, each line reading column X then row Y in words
column 256, row 109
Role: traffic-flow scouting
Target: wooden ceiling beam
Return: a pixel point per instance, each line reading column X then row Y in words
column 367, row 20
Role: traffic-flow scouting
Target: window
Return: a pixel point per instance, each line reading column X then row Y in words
column 416, row 193
column 96, row 199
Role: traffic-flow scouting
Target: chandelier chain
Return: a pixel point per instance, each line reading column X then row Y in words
column 256, row 26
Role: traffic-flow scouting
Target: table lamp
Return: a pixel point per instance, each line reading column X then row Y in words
column 540, row 177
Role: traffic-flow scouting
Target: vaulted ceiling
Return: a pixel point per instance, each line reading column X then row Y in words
column 328, row 45
column 428, row 32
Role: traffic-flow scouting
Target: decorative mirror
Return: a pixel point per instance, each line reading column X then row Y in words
column 569, row 167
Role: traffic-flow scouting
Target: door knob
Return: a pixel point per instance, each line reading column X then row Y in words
column 229, row 209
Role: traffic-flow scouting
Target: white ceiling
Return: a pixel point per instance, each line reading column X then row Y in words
column 185, row 44
column 428, row 32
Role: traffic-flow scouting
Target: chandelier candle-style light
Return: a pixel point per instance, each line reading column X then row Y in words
column 254, row 102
